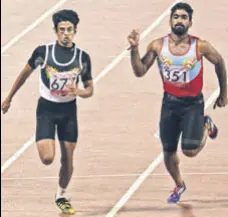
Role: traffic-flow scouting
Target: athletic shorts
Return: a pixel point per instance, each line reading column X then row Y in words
column 60, row 117
column 181, row 115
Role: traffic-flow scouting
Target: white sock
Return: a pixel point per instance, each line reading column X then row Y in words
column 60, row 192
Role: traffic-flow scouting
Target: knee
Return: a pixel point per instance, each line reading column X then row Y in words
column 65, row 162
column 46, row 156
column 46, row 151
column 190, row 148
column 47, row 160
column 168, row 155
column 171, row 156
column 189, row 153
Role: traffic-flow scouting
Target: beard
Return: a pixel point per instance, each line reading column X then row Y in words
column 179, row 29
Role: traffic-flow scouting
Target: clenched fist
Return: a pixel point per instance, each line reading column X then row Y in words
column 221, row 101
column 133, row 38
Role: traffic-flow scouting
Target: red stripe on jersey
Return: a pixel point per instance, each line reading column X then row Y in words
column 193, row 88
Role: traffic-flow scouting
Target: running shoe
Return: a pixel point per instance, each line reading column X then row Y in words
column 212, row 129
column 176, row 193
column 65, row 206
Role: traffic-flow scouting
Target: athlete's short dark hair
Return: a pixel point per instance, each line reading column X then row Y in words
column 65, row 15
column 182, row 6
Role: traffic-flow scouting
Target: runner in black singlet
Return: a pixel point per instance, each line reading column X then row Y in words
column 63, row 64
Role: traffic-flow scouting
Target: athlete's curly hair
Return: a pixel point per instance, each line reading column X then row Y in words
column 65, row 15
column 182, row 6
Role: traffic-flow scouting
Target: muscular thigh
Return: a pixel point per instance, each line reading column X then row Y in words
column 192, row 125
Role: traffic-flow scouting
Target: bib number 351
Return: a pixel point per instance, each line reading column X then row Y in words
column 176, row 76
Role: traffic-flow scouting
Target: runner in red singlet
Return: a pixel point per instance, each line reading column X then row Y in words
column 179, row 57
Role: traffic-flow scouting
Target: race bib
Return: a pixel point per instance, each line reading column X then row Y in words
column 176, row 74
column 60, row 80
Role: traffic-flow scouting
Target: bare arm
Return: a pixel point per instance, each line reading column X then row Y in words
column 25, row 73
column 88, row 91
column 212, row 55
column 84, row 93
column 141, row 66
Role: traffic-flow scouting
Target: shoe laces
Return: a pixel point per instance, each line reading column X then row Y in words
column 64, row 202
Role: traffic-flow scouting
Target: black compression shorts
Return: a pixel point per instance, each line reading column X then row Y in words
column 181, row 115
column 61, row 116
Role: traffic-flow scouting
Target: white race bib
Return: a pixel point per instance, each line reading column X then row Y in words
column 176, row 74
column 60, row 80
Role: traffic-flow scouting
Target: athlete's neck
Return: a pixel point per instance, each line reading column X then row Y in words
column 178, row 39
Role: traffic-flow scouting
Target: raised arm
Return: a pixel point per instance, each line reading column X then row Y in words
column 212, row 55
column 141, row 66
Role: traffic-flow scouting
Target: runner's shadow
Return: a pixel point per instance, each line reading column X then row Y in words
column 212, row 203
column 215, row 201
column 65, row 215
column 186, row 210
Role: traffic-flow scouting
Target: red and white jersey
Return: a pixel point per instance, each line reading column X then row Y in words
column 182, row 75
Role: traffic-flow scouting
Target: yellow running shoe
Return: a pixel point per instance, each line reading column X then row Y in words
column 65, row 206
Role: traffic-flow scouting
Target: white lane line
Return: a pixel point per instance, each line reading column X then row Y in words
column 112, row 176
column 17, row 154
column 209, row 101
column 159, row 158
column 100, row 75
column 135, row 186
column 32, row 26
column 151, row 168
column 125, row 53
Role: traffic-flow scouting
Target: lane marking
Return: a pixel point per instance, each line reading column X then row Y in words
column 135, row 186
column 159, row 158
column 150, row 169
column 99, row 76
column 17, row 154
column 32, row 26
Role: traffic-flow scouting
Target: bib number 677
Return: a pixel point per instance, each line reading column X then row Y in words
column 59, row 84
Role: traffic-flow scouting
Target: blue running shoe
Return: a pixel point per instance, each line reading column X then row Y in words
column 176, row 193
column 212, row 129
